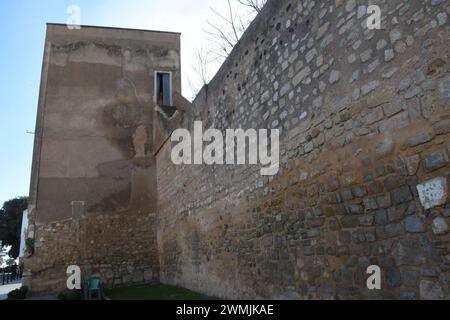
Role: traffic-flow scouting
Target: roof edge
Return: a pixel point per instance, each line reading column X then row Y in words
column 114, row 28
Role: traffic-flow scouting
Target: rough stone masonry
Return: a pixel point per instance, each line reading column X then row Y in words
column 364, row 117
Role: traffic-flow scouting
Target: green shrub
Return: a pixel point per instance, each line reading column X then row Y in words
column 18, row 294
column 70, row 295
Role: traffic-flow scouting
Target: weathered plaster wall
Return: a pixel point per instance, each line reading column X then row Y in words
column 365, row 118
column 93, row 192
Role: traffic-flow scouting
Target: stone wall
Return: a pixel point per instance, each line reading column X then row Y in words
column 365, row 120
column 120, row 248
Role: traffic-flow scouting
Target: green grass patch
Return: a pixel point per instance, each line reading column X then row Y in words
column 154, row 292
column 18, row 294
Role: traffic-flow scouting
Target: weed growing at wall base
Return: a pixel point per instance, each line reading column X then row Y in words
column 229, row 149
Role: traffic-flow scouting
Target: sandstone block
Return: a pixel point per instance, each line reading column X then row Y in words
column 433, row 192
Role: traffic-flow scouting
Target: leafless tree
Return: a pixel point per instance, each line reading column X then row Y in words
column 223, row 33
column 256, row 5
column 224, row 30
column 201, row 69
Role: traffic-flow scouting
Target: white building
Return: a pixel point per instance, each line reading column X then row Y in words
column 23, row 234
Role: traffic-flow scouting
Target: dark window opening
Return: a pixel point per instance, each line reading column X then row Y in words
column 163, row 89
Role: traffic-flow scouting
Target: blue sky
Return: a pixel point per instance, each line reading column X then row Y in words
column 22, row 33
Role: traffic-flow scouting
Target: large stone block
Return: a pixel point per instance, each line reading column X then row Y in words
column 436, row 160
column 406, row 253
column 148, row 274
column 439, row 226
column 402, row 195
column 430, row 290
column 433, row 192
column 415, row 224
column 385, row 148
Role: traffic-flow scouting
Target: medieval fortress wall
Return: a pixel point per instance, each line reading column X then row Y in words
column 365, row 120
column 364, row 117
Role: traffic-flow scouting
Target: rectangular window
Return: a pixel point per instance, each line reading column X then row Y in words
column 163, row 89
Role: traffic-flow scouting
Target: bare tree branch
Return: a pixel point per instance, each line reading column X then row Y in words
column 256, row 5
column 233, row 22
column 220, row 35
column 201, row 68
column 224, row 31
